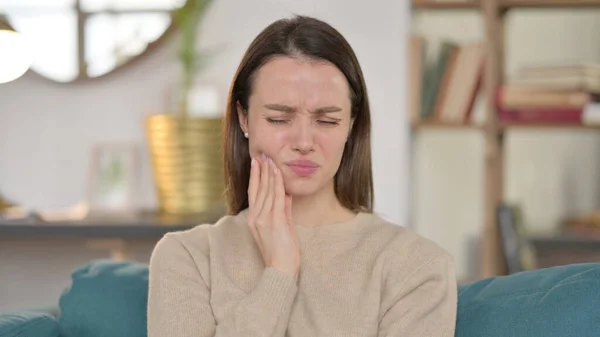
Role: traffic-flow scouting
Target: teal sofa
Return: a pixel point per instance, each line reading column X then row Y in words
column 108, row 299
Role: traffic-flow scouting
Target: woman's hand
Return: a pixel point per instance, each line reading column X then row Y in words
column 270, row 217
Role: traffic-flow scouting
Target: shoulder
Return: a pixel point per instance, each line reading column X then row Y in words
column 195, row 242
column 413, row 264
column 418, row 278
column 407, row 250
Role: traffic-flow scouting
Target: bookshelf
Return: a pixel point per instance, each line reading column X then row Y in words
column 549, row 126
column 427, row 4
column 438, row 125
column 493, row 14
column 505, row 4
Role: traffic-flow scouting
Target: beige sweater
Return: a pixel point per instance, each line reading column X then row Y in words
column 364, row 277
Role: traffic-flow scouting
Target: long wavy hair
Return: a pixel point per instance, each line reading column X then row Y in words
column 310, row 38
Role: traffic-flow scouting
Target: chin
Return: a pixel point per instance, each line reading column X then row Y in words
column 301, row 188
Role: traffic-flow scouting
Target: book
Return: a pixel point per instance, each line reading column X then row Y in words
column 463, row 84
column 416, row 62
column 433, row 78
column 541, row 115
column 512, row 97
column 519, row 253
column 560, row 77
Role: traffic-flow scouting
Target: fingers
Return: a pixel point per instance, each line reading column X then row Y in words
column 288, row 215
column 270, row 216
column 263, row 186
column 279, row 202
column 268, row 204
column 267, row 192
column 252, row 192
column 255, row 199
column 253, row 184
column 288, row 209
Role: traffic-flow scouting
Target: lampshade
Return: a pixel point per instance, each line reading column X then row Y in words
column 16, row 55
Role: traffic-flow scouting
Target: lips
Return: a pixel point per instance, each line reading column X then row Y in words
column 302, row 168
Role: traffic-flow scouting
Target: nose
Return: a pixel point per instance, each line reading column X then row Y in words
column 303, row 137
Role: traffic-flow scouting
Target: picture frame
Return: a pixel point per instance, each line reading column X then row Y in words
column 113, row 180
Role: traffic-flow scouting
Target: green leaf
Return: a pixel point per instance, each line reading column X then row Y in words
column 188, row 18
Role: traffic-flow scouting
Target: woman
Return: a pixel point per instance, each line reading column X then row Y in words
column 300, row 253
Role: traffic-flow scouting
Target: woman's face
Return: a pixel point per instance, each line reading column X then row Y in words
column 299, row 116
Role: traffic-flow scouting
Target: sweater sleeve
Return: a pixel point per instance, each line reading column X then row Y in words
column 179, row 299
column 424, row 304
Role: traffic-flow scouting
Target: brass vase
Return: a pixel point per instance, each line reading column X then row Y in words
column 186, row 161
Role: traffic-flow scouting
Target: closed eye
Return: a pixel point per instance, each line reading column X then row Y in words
column 277, row 120
column 281, row 121
column 327, row 122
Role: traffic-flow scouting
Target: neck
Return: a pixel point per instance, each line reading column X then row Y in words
column 318, row 209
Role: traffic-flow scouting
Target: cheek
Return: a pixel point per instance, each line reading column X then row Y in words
column 266, row 140
column 332, row 144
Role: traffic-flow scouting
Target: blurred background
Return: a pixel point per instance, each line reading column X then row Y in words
column 485, row 126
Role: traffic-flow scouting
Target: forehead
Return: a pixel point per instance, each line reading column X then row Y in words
column 313, row 82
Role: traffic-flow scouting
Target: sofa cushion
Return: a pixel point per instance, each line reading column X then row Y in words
column 106, row 298
column 28, row 324
column 559, row 301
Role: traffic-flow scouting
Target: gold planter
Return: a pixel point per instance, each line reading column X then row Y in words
column 186, row 162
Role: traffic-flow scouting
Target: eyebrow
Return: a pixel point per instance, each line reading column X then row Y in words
column 290, row 109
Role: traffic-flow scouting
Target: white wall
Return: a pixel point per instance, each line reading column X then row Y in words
column 46, row 129
column 552, row 173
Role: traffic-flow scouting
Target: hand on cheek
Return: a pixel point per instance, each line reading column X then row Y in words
column 269, row 218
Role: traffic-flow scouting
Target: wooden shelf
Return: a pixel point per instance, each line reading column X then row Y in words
column 503, row 126
column 439, row 125
column 432, row 4
column 144, row 225
column 507, row 4
column 548, row 126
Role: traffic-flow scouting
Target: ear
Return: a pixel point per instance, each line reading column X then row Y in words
column 242, row 117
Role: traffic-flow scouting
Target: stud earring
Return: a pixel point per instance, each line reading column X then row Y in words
column 246, row 134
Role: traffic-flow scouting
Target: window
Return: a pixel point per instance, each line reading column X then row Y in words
column 87, row 38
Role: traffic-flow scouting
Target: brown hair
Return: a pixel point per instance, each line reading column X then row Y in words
column 310, row 38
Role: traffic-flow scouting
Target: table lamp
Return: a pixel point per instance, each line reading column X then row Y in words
column 16, row 55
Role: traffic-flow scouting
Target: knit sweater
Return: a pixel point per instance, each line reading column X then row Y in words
column 364, row 277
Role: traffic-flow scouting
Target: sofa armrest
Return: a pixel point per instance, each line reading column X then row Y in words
column 52, row 310
column 28, row 324
column 557, row 301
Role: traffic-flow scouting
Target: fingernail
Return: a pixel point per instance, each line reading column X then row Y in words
column 251, row 161
column 275, row 169
column 264, row 158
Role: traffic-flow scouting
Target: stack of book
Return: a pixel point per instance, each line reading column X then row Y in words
column 519, row 253
column 586, row 224
column 444, row 86
column 560, row 94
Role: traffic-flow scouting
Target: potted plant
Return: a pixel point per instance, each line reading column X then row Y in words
column 184, row 147
column 187, row 19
